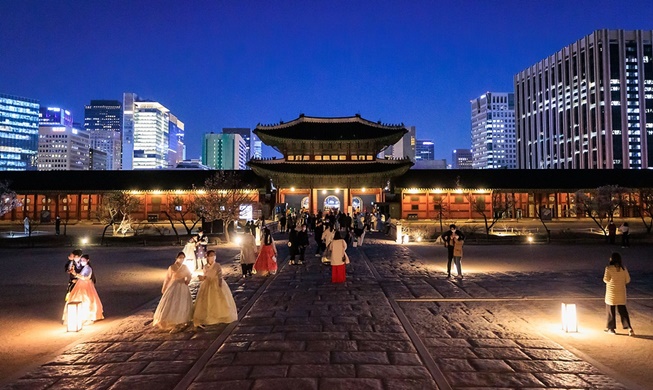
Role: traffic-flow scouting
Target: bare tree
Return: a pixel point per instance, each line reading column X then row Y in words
column 8, row 199
column 645, row 205
column 542, row 216
column 224, row 197
column 183, row 209
column 440, row 208
column 501, row 202
column 115, row 210
column 601, row 204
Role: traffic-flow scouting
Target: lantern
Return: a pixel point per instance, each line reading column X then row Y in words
column 569, row 320
column 74, row 318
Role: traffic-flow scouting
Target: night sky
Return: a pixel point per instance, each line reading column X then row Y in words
column 235, row 63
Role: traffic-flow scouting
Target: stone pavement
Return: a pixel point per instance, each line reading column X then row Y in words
column 395, row 324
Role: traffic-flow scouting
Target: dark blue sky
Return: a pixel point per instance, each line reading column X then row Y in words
column 222, row 64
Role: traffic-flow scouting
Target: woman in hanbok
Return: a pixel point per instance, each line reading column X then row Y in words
column 338, row 259
column 248, row 253
column 84, row 291
column 175, row 309
column 189, row 252
column 214, row 304
column 266, row 262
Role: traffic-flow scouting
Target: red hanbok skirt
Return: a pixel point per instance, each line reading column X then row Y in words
column 338, row 273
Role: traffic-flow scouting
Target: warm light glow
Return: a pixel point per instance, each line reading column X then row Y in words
column 237, row 240
column 419, row 238
column 323, row 192
column 530, row 239
column 292, row 188
column 481, row 190
column 84, row 240
column 157, row 192
column 363, row 189
column 438, row 190
column 569, row 320
column 135, row 192
column 201, row 192
column 399, row 233
column 459, row 191
column 74, row 318
column 406, row 239
column 413, row 190
column 179, row 192
column 337, row 190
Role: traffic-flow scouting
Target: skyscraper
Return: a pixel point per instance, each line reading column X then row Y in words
column 590, row 105
column 244, row 132
column 176, row 147
column 63, row 145
column 19, row 133
column 462, row 159
column 224, row 151
column 493, row 131
column 146, row 134
column 424, row 150
column 103, row 122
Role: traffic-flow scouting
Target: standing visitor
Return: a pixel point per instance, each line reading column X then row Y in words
column 458, row 253
column 317, row 235
column 73, row 266
column 266, row 262
column 201, row 245
column 616, row 277
column 189, row 253
column 302, row 242
column 175, row 309
column 84, row 292
column 26, row 225
column 612, row 232
column 338, row 258
column 282, row 223
column 625, row 235
column 57, row 225
column 293, row 244
column 327, row 237
column 248, row 252
column 449, row 244
column 214, row 304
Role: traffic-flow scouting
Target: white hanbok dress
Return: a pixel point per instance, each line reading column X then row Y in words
column 84, row 291
column 176, row 304
column 214, row 304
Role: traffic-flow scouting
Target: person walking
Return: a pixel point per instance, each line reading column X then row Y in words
column 57, row 225
column 625, row 235
column 266, row 261
column 175, row 309
column 338, row 258
column 214, row 303
column 248, row 252
column 458, row 253
column 616, row 277
column 449, row 244
column 84, row 291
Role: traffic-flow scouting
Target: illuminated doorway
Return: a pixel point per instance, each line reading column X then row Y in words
column 331, row 202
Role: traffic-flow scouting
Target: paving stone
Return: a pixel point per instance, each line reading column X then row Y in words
column 376, row 336
column 127, row 368
column 561, row 380
column 223, row 373
column 409, row 384
column 154, row 355
column 317, row 336
column 247, row 337
column 65, row 359
column 500, row 353
column 168, row 367
column 360, row 357
column 404, row 358
column 251, row 358
column 602, row 382
column 191, row 354
column 185, row 344
column 234, row 347
column 451, row 352
column 270, row 371
column 387, row 371
column 88, row 348
column 88, row 383
column 134, row 346
column 490, row 365
column 351, row 383
column 321, row 357
column 493, row 343
column 62, row 371
column 30, row 384
column 298, row 328
column 539, row 343
column 222, row 385
column 550, row 354
column 446, row 342
column 164, row 336
column 322, row 371
column 100, row 358
column 281, row 346
column 285, row 383
column 552, row 366
column 387, row 346
column 147, row 382
column 454, row 365
column 488, row 379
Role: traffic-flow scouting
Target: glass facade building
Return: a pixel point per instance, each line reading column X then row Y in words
column 224, row 151
column 590, row 105
column 19, row 133
column 424, row 150
column 103, row 122
column 493, row 131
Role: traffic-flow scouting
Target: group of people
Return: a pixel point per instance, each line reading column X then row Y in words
column 214, row 303
column 195, row 250
column 81, row 288
column 624, row 229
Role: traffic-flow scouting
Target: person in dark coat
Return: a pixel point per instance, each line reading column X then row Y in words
column 449, row 244
column 282, row 223
column 612, row 232
column 73, row 266
column 293, row 244
column 302, row 242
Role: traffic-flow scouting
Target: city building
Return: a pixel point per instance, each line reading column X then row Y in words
column 176, row 146
column 430, row 164
column 63, row 145
column 224, row 151
column 19, row 133
column 244, row 132
column 146, row 134
column 257, row 148
column 192, row 164
column 462, row 159
column 424, row 150
column 404, row 148
column 98, row 160
column 590, row 105
column 493, row 131
column 103, row 122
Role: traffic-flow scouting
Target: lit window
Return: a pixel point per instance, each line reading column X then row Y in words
column 341, row 158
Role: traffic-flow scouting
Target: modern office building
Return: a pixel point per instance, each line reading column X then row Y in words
column 257, row 148
column 98, row 159
column 424, row 150
column 462, row 159
column 493, row 131
column 19, row 133
column 63, row 145
column 430, row 164
column 103, row 122
column 590, row 105
column 145, row 134
column 176, row 147
column 244, row 132
column 224, row 151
